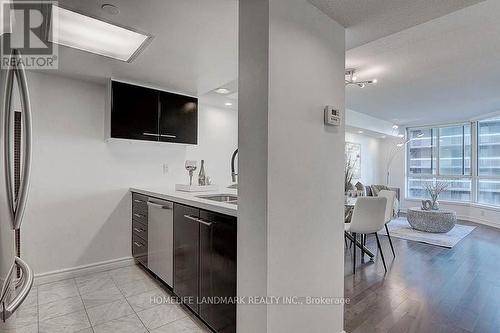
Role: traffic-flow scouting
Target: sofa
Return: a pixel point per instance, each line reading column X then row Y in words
column 397, row 208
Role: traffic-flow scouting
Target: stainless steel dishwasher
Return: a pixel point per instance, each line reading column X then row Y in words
column 161, row 239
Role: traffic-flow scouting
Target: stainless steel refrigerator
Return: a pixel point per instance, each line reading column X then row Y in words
column 16, row 277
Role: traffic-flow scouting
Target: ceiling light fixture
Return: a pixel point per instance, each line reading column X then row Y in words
column 92, row 35
column 360, row 132
column 395, row 127
column 352, row 79
column 222, row 91
column 110, row 9
column 228, row 104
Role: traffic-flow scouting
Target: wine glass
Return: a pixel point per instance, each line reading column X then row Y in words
column 191, row 167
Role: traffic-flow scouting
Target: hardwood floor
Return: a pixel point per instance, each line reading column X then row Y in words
column 427, row 288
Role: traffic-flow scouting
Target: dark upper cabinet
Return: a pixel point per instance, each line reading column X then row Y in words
column 141, row 113
column 178, row 118
column 134, row 112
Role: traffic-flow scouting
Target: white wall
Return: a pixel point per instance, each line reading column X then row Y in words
column 465, row 211
column 291, row 183
column 362, row 120
column 79, row 207
column 372, row 158
column 217, row 140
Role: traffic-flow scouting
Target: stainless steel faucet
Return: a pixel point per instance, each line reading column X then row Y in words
column 233, row 172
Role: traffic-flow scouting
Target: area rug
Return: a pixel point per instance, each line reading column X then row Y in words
column 400, row 228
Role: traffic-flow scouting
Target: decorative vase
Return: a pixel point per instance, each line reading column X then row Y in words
column 426, row 205
column 435, row 205
column 201, row 175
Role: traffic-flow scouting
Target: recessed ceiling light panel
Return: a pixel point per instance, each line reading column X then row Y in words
column 95, row 36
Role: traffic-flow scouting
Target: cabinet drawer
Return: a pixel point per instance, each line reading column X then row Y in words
column 139, row 204
column 140, row 230
column 140, row 249
column 140, row 217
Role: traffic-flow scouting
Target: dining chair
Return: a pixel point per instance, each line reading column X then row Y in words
column 368, row 217
column 389, row 213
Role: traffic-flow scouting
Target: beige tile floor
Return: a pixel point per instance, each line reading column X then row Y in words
column 108, row 302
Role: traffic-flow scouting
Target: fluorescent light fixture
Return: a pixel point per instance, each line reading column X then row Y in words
column 222, row 91
column 228, row 104
column 95, row 36
column 360, row 132
column 6, row 17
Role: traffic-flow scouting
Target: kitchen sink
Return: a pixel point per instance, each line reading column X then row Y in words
column 227, row 198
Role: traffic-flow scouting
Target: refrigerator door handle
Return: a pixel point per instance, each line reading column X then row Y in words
column 27, row 283
column 7, row 110
column 18, row 206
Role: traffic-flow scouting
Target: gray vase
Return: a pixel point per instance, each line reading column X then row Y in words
column 435, row 205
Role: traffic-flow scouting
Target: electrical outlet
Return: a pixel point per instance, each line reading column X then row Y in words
column 165, row 168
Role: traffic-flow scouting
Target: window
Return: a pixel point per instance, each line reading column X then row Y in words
column 441, row 154
column 488, row 161
column 467, row 156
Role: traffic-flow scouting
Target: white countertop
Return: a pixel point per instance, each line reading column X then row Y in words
column 191, row 199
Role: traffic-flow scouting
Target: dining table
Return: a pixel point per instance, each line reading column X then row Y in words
column 350, row 203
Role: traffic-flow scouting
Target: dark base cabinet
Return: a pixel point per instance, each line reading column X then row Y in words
column 218, row 270
column 205, row 264
column 140, row 228
column 186, row 255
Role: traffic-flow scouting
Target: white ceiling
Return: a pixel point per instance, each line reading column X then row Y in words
column 368, row 20
column 444, row 70
column 194, row 50
column 220, row 100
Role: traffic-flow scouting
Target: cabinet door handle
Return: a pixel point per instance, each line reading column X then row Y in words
column 139, row 215
column 168, row 136
column 208, row 224
column 139, row 230
column 137, row 244
column 195, row 219
column 150, row 134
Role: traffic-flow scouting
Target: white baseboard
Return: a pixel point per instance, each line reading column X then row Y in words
column 479, row 221
column 69, row 273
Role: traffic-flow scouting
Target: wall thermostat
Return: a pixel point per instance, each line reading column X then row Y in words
column 332, row 116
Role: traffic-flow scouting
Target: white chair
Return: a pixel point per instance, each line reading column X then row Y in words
column 368, row 217
column 389, row 212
